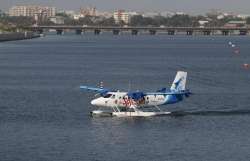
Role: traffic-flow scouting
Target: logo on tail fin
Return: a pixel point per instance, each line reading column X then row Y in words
column 177, row 83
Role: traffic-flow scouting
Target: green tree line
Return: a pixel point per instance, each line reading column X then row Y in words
column 137, row 20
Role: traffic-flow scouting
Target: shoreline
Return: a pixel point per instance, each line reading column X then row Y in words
column 17, row 36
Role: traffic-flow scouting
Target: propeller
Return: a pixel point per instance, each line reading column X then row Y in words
column 101, row 85
column 103, row 92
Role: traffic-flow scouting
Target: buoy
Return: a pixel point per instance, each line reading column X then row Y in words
column 246, row 66
column 233, row 45
column 230, row 43
column 236, row 51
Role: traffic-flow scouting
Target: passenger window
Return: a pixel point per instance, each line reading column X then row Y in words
column 131, row 110
column 113, row 96
column 108, row 95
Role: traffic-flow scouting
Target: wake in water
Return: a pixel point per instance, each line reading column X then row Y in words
column 212, row 112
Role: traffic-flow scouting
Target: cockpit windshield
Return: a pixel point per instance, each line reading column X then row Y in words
column 107, row 95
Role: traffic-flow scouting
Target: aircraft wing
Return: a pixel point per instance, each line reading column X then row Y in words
column 170, row 93
column 95, row 89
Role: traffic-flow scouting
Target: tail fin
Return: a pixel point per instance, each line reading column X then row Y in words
column 179, row 81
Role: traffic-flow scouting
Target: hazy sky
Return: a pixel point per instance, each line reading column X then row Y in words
column 189, row 6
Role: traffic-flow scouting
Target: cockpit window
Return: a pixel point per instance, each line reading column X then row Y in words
column 107, row 96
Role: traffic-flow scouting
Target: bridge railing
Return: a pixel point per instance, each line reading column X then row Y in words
column 151, row 30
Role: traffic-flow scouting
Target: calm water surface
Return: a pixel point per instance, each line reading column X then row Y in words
column 45, row 117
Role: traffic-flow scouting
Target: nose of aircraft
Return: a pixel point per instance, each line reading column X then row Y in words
column 95, row 102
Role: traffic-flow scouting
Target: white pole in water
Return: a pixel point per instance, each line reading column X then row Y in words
column 25, row 34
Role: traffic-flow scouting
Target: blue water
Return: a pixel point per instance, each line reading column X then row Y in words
column 45, row 117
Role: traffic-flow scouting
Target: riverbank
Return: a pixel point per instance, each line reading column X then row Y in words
column 17, row 36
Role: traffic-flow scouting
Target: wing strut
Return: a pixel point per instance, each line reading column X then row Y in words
column 157, row 107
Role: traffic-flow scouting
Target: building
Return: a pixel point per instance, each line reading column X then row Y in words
column 32, row 11
column 78, row 16
column 203, row 22
column 123, row 16
column 180, row 13
column 167, row 14
column 243, row 16
column 151, row 14
column 235, row 24
column 69, row 13
column 89, row 11
column 59, row 20
column 104, row 14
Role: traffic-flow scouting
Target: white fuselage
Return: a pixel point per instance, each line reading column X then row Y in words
column 120, row 99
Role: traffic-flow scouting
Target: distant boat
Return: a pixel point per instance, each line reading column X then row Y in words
column 42, row 35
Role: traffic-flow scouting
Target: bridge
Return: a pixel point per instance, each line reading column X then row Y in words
column 116, row 30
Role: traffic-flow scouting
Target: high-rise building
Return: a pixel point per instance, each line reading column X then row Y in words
column 121, row 16
column 32, row 11
column 88, row 11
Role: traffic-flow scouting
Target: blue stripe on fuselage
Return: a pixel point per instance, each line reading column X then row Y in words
column 170, row 99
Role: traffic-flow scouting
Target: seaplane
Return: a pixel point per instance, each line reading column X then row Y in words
column 132, row 104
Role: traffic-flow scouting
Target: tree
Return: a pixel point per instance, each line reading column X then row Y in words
column 136, row 20
column 11, row 23
column 107, row 22
column 248, row 20
column 175, row 21
column 180, row 21
column 139, row 20
column 2, row 14
column 62, row 15
column 87, row 20
column 46, row 22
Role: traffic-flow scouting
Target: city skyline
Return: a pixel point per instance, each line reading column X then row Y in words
column 188, row 6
